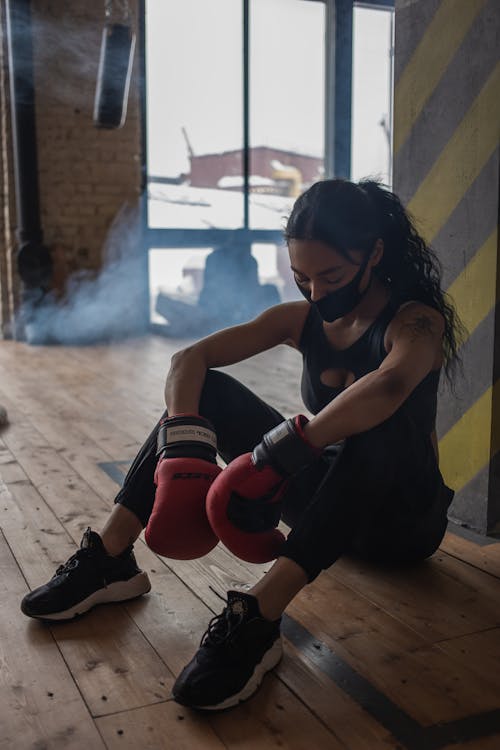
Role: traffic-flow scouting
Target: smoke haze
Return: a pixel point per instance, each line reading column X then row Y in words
column 105, row 307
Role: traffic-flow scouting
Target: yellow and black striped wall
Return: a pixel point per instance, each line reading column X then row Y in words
column 446, row 170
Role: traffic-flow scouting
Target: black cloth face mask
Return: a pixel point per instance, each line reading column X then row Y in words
column 340, row 302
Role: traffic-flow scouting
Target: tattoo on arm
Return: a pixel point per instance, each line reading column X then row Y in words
column 419, row 326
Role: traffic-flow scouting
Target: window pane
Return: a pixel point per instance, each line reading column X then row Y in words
column 372, row 94
column 194, row 291
column 275, row 273
column 194, row 112
column 286, row 105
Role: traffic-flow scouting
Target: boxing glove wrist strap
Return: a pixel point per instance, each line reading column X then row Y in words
column 286, row 448
column 186, row 435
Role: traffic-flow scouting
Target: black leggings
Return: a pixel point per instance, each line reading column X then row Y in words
column 380, row 496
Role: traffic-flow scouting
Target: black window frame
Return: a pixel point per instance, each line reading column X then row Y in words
column 338, row 126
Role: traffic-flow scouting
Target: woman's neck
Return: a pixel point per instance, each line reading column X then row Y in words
column 368, row 309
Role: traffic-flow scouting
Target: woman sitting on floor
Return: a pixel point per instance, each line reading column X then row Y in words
column 361, row 476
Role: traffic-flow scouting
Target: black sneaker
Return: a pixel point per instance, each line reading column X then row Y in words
column 89, row 577
column 236, row 651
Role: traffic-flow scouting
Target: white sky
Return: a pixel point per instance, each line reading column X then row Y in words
column 371, row 93
column 194, row 58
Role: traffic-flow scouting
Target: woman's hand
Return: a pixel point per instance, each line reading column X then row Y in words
column 244, row 502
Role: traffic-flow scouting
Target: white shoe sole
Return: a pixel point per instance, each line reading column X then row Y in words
column 115, row 592
column 269, row 661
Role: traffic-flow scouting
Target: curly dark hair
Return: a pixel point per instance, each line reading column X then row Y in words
column 352, row 216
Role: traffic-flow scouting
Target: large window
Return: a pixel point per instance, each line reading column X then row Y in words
column 287, row 112
column 238, row 123
column 195, row 117
column 372, row 83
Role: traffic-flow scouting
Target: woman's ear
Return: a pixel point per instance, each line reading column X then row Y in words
column 377, row 252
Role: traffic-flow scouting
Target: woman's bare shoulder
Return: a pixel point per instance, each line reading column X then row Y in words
column 284, row 321
column 296, row 313
column 415, row 310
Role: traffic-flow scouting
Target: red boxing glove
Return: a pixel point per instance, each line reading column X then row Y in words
column 244, row 502
column 178, row 526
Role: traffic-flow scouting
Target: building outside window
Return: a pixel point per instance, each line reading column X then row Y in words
column 237, row 127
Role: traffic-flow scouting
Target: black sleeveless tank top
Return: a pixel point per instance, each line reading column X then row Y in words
column 363, row 356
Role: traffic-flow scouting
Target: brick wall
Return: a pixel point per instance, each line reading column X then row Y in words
column 86, row 174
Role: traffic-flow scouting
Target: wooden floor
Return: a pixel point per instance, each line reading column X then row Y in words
column 374, row 659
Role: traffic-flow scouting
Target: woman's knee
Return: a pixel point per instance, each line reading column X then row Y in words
column 385, row 453
column 214, row 384
column 212, row 399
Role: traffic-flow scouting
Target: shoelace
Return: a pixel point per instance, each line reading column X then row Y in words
column 81, row 554
column 222, row 626
column 73, row 561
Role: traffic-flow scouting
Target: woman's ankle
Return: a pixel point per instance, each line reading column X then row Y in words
column 278, row 587
column 114, row 546
column 120, row 530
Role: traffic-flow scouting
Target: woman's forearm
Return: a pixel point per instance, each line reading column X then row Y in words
column 363, row 405
column 185, row 382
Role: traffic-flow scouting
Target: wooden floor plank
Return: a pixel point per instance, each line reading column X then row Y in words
column 171, row 617
column 174, row 621
column 40, row 705
column 274, row 717
column 52, row 377
column 80, row 452
column 353, row 726
column 174, row 624
column 485, row 743
column 59, row 475
column 166, row 725
column 221, row 570
column 421, row 679
column 11, row 472
column 106, row 652
column 395, row 658
column 110, row 438
column 116, row 365
column 423, row 639
column 38, row 459
column 479, row 652
column 485, row 558
column 84, row 643
column 35, row 534
column 113, row 664
column 439, row 598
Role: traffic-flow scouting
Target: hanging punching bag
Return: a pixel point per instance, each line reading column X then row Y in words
column 113, row 77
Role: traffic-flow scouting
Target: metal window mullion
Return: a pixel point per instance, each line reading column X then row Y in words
column 246, row 112
column 374, row 4
column 329, row 88
column 143, row 196
column 160, row 237
column 338, row 81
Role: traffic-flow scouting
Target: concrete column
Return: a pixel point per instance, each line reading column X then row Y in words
column 446, row 170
